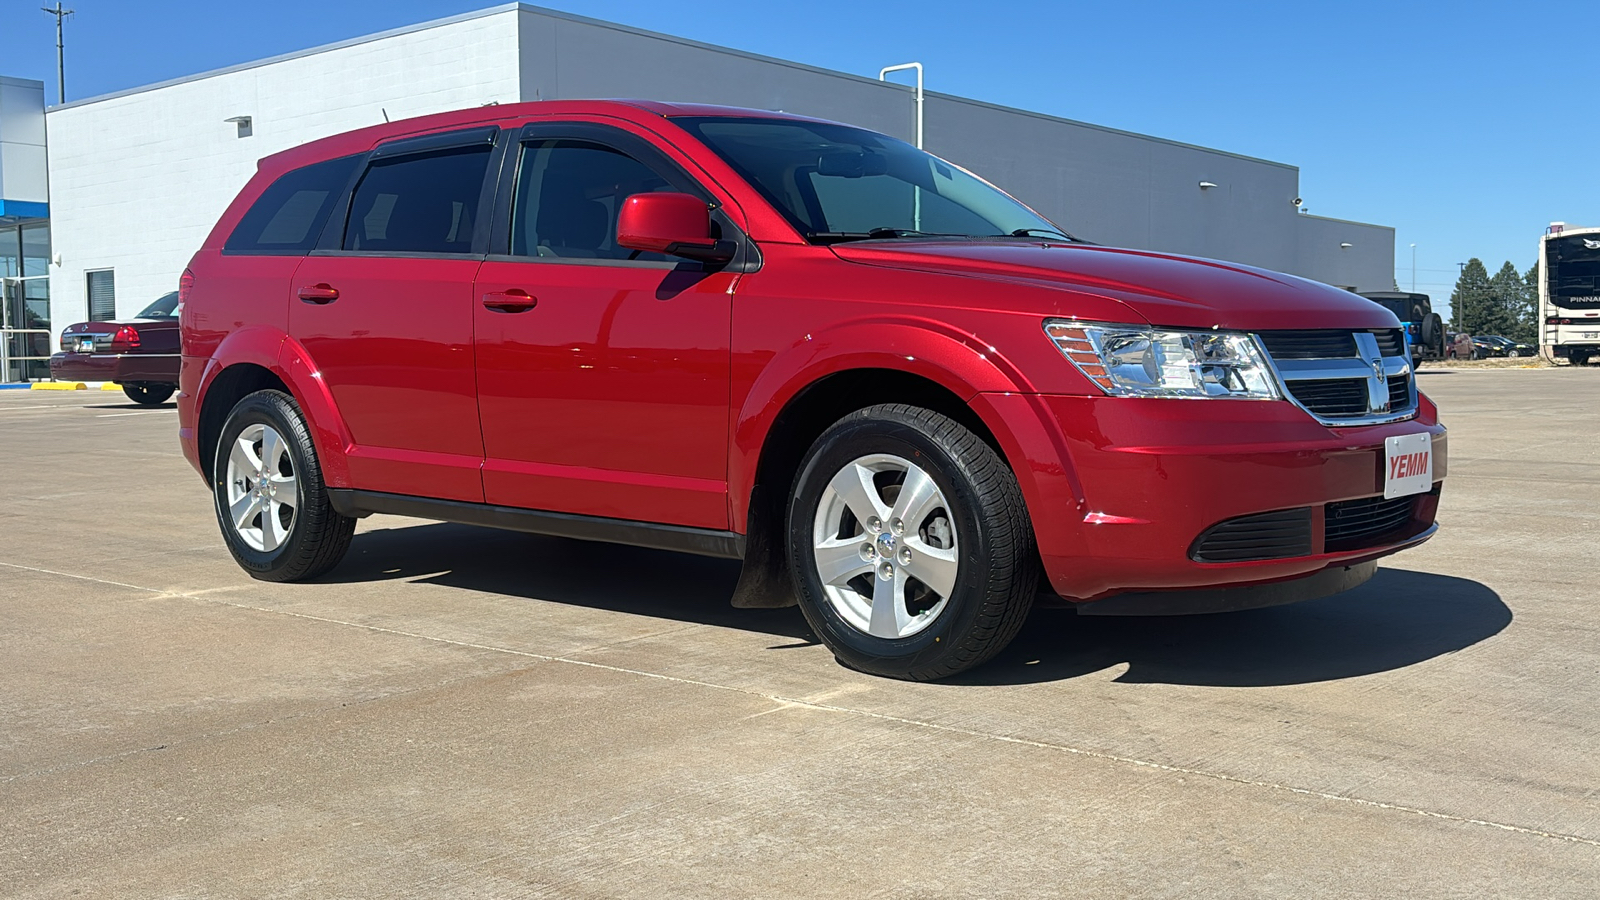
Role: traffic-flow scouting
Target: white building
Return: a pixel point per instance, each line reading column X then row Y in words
column 137, row 178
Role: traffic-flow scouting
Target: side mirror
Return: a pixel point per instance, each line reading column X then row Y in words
column 674, row 224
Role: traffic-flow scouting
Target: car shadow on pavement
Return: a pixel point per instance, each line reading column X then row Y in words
column 632, row 580
column 1398, row 619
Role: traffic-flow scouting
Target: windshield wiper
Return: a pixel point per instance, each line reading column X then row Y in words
column 875, row 234
column 1046, row 232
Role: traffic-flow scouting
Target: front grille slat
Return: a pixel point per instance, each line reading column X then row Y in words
column 1325, row 389
column 1309, row 344
column 1273, row 535
column 1332, row 397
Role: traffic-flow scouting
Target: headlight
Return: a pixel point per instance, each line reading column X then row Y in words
column 1129, row 361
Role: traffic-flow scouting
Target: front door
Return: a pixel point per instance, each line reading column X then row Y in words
column 602, row 373
column 386, row 317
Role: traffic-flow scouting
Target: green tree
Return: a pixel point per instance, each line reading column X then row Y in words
column 1530, row 292
column 1505, row 312
column 1469, row 300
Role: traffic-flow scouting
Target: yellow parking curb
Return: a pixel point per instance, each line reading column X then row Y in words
column 111, row 386
column 58, row 386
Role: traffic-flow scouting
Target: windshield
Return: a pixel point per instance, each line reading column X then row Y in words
column 161, row 309
column 1572, row 270
column 835, row 182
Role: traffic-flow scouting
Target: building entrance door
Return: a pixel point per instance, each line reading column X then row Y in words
column 24, row 328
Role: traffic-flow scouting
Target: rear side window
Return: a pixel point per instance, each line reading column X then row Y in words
column 287, row 218
column 422, row 203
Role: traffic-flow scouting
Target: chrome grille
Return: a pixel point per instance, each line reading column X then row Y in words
column 1342, row 377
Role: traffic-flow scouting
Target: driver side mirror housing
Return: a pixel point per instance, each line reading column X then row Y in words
column 674, row 224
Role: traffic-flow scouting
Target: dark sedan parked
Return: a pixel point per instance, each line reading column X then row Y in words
column 140, row 353
column 1495, row 345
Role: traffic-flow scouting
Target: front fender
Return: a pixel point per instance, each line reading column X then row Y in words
column 956, row 360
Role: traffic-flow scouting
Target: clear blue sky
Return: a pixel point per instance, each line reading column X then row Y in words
column 1435, row 117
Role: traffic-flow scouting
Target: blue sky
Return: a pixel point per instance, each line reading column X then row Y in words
column 1438, row 118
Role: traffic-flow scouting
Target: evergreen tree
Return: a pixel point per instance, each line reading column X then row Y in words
column 1505, row 314
column 1530, row 293
column 1469, row 300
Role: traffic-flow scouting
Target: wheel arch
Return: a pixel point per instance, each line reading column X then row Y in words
column 796, row 399
column 256, row 361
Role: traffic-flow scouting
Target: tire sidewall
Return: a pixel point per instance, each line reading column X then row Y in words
column 277, row 411
column 842, row 444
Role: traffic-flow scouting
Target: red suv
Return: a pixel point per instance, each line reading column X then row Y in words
column 897, row 394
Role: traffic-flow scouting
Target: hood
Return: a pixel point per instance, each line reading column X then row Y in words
column 1178, row 291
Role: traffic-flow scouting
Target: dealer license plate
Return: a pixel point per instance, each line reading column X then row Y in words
column 1407, row 465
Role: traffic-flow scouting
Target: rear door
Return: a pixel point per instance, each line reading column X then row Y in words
column 602, row 372
column 384, row 309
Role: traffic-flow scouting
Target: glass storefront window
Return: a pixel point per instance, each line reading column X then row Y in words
column 25, row 301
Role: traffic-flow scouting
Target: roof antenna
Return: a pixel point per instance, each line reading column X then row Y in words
column 385, row 115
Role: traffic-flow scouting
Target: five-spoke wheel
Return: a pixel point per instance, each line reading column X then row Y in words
column 262, row 491
column 885, row 550
column 910, row 547
column 273, row 508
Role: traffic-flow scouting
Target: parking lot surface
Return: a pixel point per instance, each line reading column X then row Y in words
column 457, row 712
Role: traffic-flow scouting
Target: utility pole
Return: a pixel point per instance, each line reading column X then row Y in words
column 1413, row 268
column 1461, row 314
column 61, row 64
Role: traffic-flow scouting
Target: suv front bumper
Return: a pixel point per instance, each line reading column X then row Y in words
column 1123, row 488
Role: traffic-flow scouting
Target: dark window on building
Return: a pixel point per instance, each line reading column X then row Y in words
column 423, row 203
column 568, row 196
column 287, row 218
column 102, row 288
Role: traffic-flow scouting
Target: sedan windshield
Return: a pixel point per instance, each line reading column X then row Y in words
column 837, row 183
column 161, row 309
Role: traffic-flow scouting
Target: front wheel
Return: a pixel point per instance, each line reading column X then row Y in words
column 269, row 496
column 910, row 547
column 148, row 394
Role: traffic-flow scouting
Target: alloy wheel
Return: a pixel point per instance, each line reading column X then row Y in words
column 885, row 546
column 263, row 493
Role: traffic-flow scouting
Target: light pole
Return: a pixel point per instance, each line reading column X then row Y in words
column 61, row 64
column 883, row 76
column 1413, row 268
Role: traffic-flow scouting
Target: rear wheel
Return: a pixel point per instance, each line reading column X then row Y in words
column 270, row 500
column 148, row 394
column 910, row 547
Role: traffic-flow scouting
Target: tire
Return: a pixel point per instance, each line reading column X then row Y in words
column 974, row 545
column 303, row 537
column 149, row 394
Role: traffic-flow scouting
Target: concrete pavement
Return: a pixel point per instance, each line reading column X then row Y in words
column 457, row 712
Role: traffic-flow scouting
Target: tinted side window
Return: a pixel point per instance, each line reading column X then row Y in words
column 568, row 195
column 287, row 218
column 422, row 203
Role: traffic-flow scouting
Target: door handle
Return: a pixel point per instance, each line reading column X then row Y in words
column 512, row 300
column 319, row 294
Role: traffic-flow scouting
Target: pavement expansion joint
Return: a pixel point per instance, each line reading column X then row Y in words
column 793, row 702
